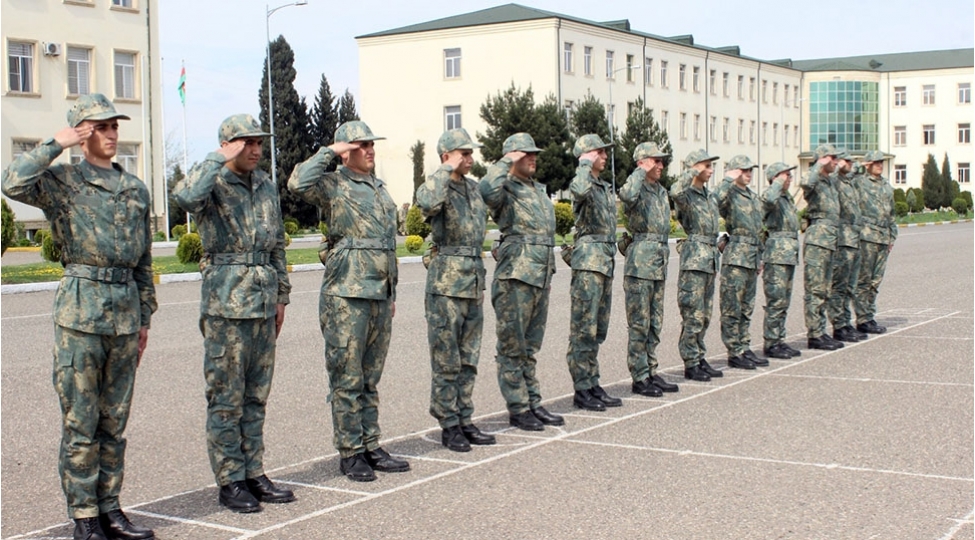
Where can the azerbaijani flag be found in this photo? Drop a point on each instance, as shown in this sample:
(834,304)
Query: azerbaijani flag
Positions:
(182,85)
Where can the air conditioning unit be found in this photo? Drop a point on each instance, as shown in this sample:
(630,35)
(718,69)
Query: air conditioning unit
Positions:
(51,49)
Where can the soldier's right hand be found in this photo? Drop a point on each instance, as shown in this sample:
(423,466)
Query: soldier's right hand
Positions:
(515,155)
(73,136)
(454,159)
(343,148)
(232,149)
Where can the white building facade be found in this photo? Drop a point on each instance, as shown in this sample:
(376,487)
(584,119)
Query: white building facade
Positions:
(58,50)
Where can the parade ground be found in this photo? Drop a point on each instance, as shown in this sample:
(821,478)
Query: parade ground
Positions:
(873,441)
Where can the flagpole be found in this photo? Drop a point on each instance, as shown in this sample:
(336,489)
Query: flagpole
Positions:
(162,113)
(186,166)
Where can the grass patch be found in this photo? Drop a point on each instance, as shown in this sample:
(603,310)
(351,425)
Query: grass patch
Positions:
(931,217)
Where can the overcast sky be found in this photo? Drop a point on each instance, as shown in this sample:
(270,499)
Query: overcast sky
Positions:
(222,43)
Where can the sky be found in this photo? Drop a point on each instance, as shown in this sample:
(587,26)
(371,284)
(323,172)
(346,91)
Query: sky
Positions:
(222,43)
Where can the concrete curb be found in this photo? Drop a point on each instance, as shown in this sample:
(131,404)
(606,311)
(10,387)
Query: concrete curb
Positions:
(904,225)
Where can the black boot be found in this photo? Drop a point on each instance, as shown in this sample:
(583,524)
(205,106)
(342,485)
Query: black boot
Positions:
(871,327)
(695,373)
(116,525)
(740,362)
(706,367)
(793,351)
(749,355)
(646,388)
(608,400)
(265,491)
(455,441)
(779,350)
(237,498)
(357,468)
(381,461)
(584,399)
(476,436)
(547,418)
(822,344)
(526,421)
(663,385)
(846,333)
(88,529)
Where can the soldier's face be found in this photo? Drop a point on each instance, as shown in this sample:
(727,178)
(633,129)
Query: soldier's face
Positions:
(600,163)
(525,167)
(745,178)
(876,168)
(655,168)
(786,179)
(466,160)
(103,141)
(248,158)
(828,164)
(704,170)
(363,159)
(843,165)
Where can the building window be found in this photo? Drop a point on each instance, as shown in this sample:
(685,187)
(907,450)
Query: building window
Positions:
(775,134)
(725,129)
(587,61)
(785,95)
(569,105)
(629,68)
(20,62)
(697,127)
(795,135)
(928,130)
(965,133)
(741,131)
(125,75)
(629,108)
(713,81)
(663,74)
(785,135)
(683,125)
(927,94)
(751,89)
(567,57)
(765,133)
(697,79)
(964,173)
(964,93)
(609,64)
(751,132)
(122,3)
(845,114)
(900,174)
(764,91)
(128,157)
(79,71)
(665,121)
(725,84)
(20,147)
(900,96)
(451,59)
(451,117)
(713,129)
(648,69)
(900,135)
(682,76)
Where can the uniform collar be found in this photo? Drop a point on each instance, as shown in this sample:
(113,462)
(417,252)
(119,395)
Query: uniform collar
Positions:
(357,177)
(96,175)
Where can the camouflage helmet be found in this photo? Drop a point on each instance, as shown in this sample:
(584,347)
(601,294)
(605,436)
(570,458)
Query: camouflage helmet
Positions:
(740,162)
(874,155)
(824,150)
(455,139)
(239,126)
(698,156)
(92,107)
(588,143)
(520,142)
(649,150)
(355,131)
(841,153)
(776,169)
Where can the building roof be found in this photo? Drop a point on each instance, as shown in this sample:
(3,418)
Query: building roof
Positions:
(884,63)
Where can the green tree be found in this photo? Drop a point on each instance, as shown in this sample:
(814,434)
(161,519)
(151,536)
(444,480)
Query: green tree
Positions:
(555,166)
(416,156)
(176,214)
(8,233)
(347,111)
(589,116)
(505,114)
(293,138)
(952,189)
(324,117)
(640,128)
(415,224)
(931,183)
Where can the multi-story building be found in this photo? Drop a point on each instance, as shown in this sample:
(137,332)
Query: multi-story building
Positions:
(419,80)
(58,50)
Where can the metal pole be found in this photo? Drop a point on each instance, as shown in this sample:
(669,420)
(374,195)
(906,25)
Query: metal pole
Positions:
(270,95)
(162,115)
(186,161)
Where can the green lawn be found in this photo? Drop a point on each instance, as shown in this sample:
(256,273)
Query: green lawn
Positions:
(932,217)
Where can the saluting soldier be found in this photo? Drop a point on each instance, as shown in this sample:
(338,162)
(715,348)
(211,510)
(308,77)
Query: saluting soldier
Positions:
(876,239)
(780,258)
(846,258)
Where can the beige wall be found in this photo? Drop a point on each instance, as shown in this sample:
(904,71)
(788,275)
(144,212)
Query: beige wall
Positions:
(104,29)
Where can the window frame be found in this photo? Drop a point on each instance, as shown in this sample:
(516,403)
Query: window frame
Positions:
(900,135)
(87,62)
(900,96)
(664,83)
(964,93)
(135,74)
(926,130)
(450,112)
(964,173)
(610,65)
(567,57)
(30,60)
(927,94)
(965,133)
(899,174)
(587,60)
(452,63)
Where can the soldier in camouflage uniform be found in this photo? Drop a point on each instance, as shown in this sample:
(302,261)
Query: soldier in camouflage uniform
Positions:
(593,261)
(358,295)
(698,215)
(780,258)
(876,239)
(452,204)
(741,261)
(846,258)
(823,213)
(645,272)
(244,294)
(522,278)
(99,215)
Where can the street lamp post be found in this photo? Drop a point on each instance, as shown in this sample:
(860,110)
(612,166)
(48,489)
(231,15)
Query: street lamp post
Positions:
(611,118)
(270,94)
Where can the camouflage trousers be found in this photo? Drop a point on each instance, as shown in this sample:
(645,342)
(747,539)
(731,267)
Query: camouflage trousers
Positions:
(737,303)
(94,376)
(357,333)
(873,264)
(454,332)
(695,296)
(645,317)
(521,311)
(238,367)
(777,279)
(818,279)
(591,294)
(846,269)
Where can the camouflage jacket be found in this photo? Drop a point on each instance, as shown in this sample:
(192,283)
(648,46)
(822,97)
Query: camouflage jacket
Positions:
(234,216)
(647,211)
(99,217)
(458,216)
(521,208)
(877,210)
(822,209)
(698,215)
(743,216)
(356,207)
(782,226)
(848,190)
(595,211)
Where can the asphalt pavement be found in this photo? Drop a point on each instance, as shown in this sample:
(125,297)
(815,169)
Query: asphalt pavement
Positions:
(872,441)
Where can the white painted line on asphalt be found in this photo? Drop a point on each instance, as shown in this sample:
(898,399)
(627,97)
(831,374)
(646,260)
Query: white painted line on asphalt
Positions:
(936,337)
(865,379)
(323,488)
(195,522)
(959,523)
(432,459)
(828,466)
